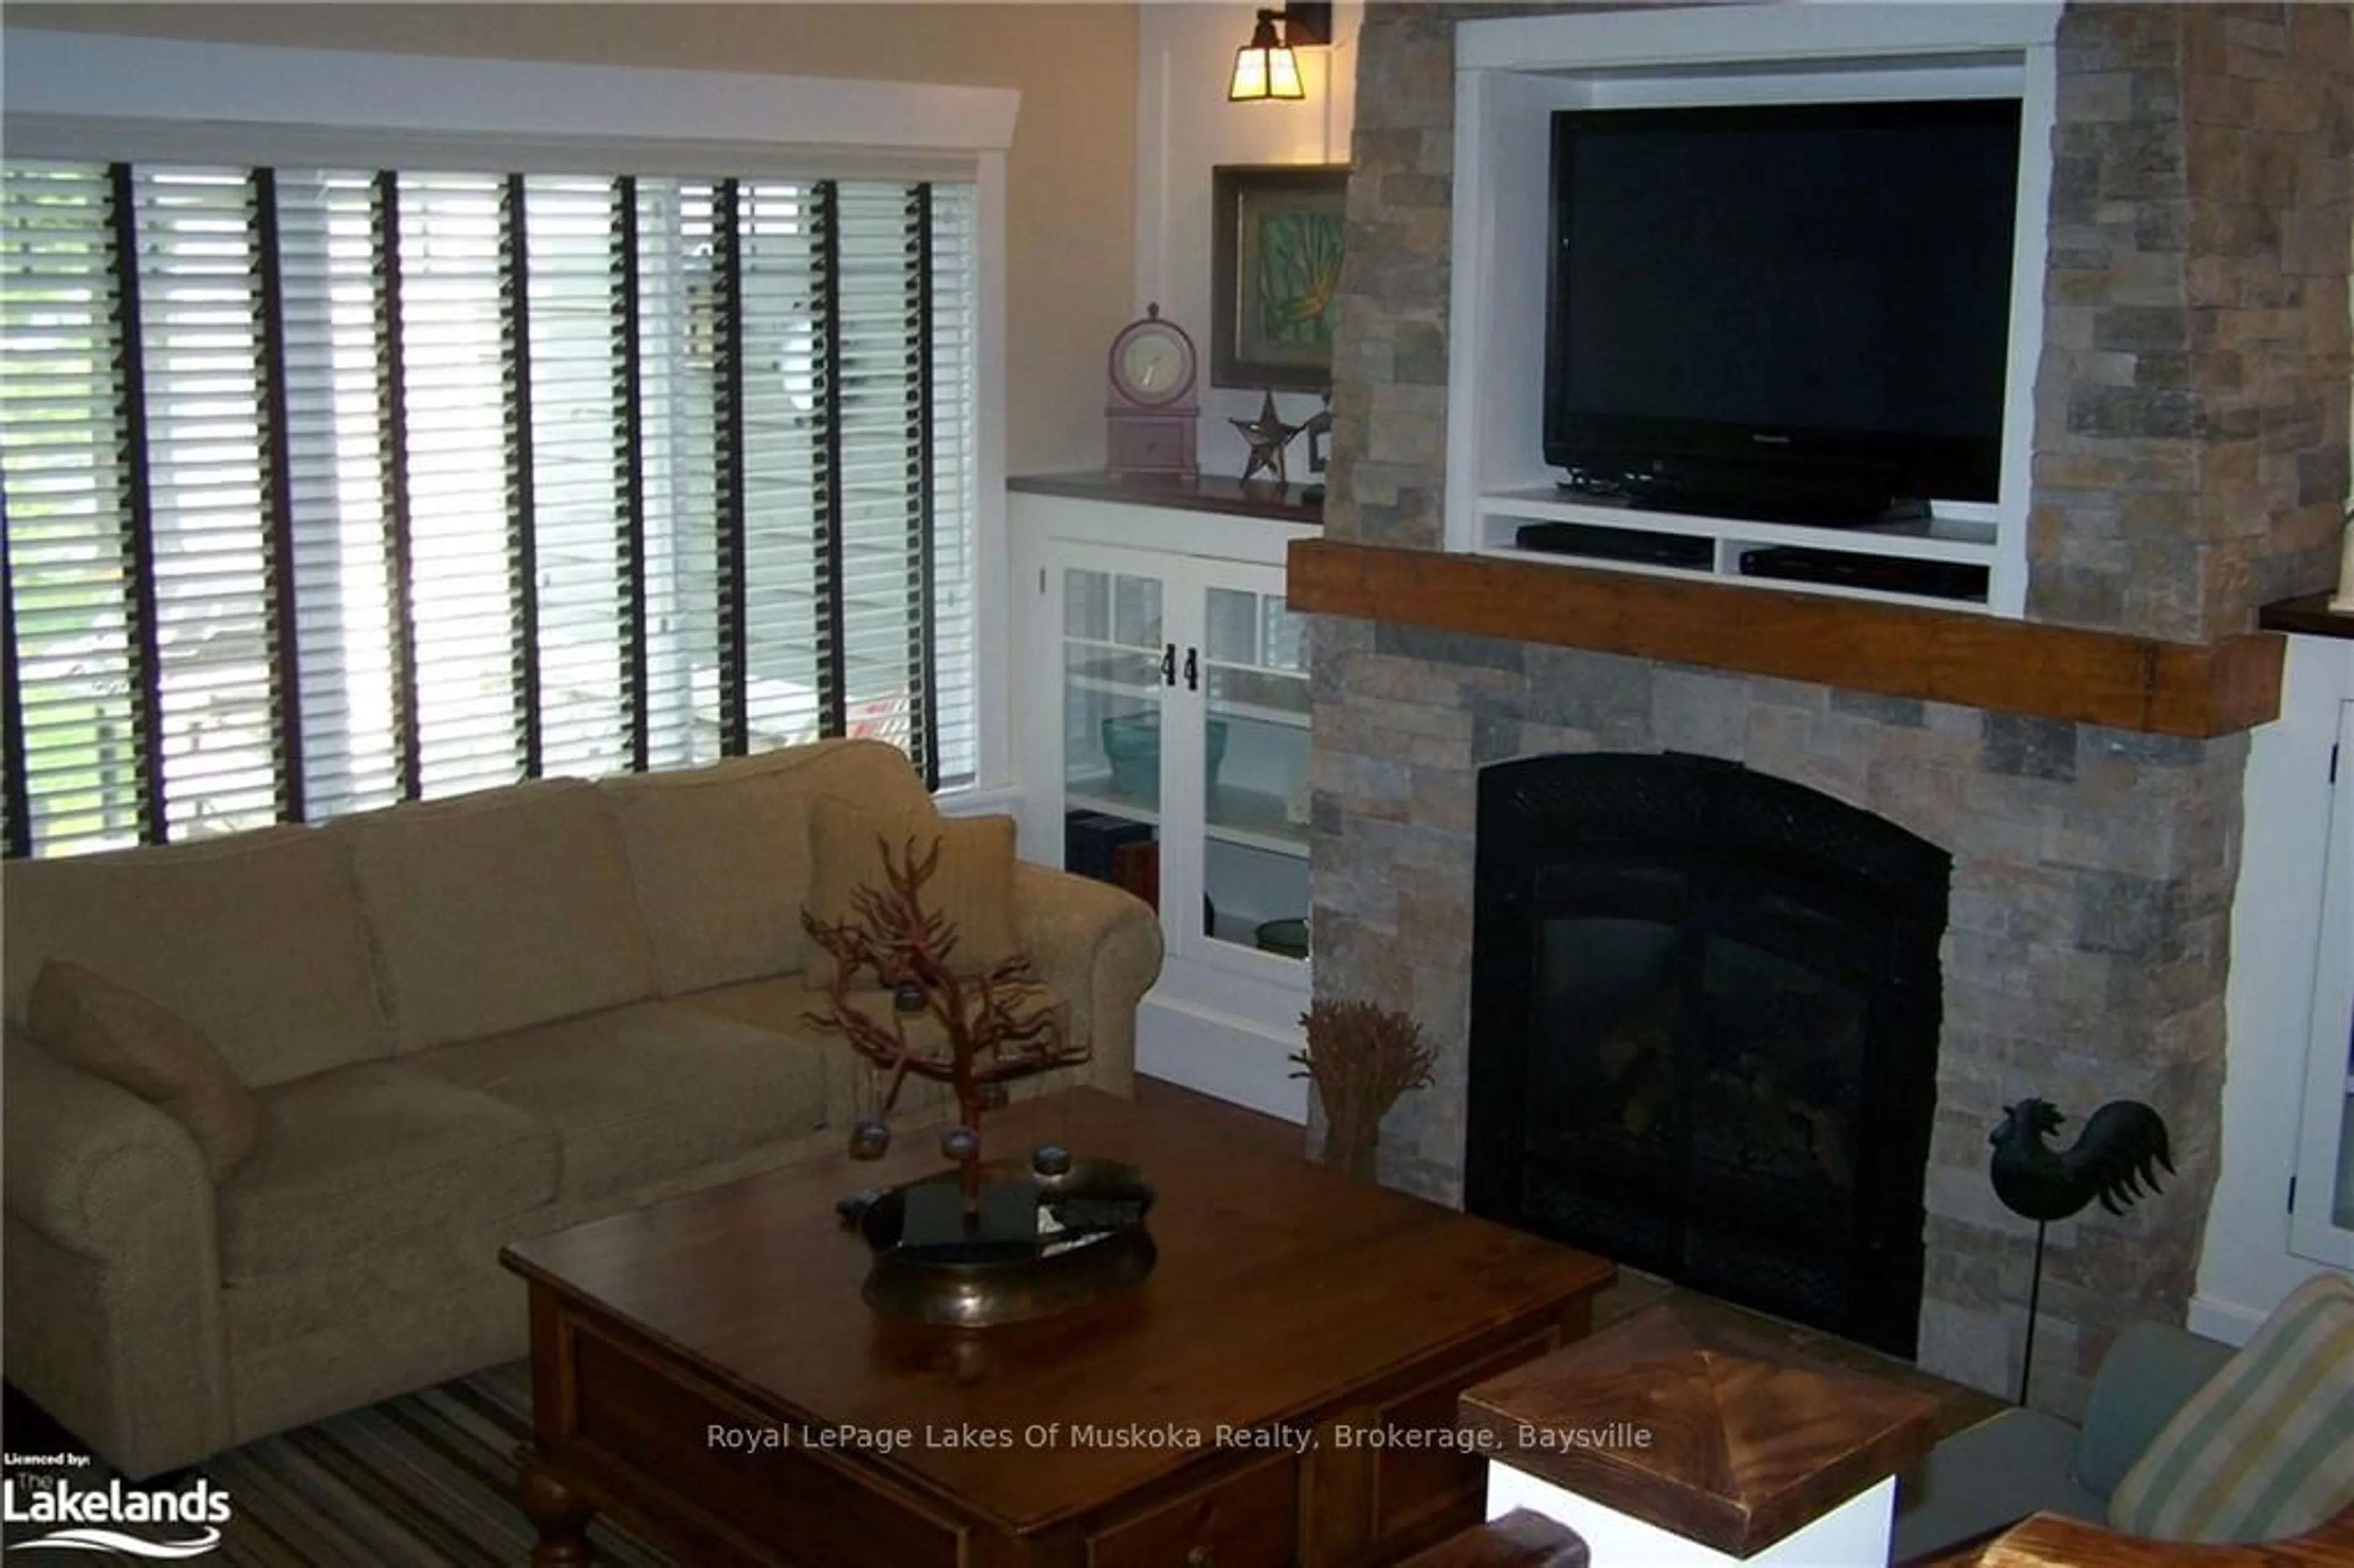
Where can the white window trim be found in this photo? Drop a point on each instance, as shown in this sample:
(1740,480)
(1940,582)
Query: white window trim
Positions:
(101,97)
(437,99)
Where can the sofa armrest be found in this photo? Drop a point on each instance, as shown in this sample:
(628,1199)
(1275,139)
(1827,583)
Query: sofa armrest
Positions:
(113,1306)
(1100,948)
(85,1160)
(2149,1373)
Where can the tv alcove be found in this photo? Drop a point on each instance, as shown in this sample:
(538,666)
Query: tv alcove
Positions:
(1513,74)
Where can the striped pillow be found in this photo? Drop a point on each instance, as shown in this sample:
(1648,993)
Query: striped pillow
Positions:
(2266,1449)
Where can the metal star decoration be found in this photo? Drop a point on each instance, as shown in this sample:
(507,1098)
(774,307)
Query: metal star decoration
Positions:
(1267,436)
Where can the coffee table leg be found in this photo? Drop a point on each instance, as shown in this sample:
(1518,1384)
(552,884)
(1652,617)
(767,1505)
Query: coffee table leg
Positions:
(561,1514)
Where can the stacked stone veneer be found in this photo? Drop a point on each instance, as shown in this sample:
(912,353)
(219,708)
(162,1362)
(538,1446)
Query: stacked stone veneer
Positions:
(2192,413)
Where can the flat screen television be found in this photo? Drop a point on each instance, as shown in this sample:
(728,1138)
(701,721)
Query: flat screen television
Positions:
(1787,311)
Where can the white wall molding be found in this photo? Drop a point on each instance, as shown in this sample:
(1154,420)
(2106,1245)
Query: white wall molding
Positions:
(2226,1320)
(1761,34)
(234,97)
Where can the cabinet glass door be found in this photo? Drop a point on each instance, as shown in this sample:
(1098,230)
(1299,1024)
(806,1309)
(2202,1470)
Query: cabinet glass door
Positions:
(1254,824)
(1116,660)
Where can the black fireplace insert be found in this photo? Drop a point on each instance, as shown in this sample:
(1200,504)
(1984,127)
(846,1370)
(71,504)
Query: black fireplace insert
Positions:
(1704,1019)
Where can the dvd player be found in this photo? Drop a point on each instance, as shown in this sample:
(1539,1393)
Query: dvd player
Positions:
(1882,574)
(1618,544)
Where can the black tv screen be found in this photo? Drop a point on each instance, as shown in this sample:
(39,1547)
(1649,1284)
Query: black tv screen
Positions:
(1796,310)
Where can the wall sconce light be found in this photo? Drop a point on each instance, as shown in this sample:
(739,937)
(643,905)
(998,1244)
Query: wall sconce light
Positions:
(1265,69)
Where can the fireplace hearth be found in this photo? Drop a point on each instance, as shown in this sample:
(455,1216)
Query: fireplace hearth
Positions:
(1704,1023)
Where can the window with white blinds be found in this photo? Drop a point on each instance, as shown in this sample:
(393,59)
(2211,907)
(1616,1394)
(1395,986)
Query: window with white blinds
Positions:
(331,488)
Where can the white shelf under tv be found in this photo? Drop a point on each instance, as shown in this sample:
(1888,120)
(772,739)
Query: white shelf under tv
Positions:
(1954,538)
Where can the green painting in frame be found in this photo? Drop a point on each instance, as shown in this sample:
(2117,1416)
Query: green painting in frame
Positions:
(1275,272)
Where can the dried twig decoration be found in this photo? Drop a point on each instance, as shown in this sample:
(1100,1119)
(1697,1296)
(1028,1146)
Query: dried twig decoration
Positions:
(1361,1058)
(997,1030)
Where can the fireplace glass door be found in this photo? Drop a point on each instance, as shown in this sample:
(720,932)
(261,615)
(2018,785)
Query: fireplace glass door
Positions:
(1702,1047)
(1695,1082)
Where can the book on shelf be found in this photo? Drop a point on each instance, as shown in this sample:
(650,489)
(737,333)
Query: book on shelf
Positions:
(1136,866)
(1090,840)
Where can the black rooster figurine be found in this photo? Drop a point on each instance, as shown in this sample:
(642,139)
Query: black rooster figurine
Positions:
(2111,1160)
(2108,1160)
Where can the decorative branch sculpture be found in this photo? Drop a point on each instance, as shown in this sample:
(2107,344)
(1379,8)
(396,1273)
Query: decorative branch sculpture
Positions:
(996,1033)
(1359,1059)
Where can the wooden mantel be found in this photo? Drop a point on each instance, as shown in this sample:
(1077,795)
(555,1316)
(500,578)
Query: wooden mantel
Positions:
(2188,689)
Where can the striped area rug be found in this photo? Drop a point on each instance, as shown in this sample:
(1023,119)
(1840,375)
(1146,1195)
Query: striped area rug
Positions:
(426,1478)
(420,1481)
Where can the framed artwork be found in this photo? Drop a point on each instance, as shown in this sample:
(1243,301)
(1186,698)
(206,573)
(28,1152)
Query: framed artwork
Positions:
(1275,272)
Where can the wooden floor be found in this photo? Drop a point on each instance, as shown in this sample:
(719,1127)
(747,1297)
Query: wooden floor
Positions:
(1958,1407)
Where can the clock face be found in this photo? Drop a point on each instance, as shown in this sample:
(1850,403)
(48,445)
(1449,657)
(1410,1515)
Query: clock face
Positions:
(1152,363)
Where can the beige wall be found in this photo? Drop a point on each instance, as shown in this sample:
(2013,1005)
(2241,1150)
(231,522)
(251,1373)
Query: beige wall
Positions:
(1072,172)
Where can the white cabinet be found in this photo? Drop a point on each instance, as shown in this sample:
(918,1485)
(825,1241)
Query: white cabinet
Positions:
(2321,1212)
(2283,1203)
(1162,703)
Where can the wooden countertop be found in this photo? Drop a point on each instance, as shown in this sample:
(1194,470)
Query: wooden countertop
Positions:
(2308,615)
(1277,502)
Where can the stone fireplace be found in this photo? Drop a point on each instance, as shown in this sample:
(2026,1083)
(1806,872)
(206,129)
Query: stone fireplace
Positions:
(2191,460)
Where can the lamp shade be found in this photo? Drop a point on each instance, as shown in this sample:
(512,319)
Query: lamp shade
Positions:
(1250,75)
(1283,74)
(1265,67)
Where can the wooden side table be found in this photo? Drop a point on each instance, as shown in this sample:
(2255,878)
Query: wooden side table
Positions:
(1689,1436)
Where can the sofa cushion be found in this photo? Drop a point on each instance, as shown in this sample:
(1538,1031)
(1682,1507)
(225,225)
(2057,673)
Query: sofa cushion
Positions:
(721,859)
(500,909)
(108,1030)
(366,1158)
(2266,1449)
(254,938)
(640,1094)
(973,885)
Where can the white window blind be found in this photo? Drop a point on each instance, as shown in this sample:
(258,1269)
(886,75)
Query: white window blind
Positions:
(330,488)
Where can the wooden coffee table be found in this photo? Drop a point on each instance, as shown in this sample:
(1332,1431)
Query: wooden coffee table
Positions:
(1280,1391)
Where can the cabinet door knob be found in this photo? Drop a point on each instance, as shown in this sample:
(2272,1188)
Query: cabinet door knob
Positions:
(1168,663)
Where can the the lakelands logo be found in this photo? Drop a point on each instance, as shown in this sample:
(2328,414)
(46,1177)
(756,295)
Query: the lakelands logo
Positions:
(84,1519)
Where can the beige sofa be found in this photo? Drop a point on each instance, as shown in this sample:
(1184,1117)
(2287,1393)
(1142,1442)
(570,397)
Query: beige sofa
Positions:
(463,1021)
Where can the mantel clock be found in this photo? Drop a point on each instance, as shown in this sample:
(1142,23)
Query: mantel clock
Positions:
(1150,416)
